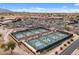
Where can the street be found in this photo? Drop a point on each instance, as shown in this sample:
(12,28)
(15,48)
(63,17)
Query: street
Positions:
(71,48)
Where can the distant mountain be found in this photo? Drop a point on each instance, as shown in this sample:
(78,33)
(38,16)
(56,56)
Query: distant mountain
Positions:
(5,10)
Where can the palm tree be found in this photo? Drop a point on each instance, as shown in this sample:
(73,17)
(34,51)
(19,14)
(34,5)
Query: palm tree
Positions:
(9,46)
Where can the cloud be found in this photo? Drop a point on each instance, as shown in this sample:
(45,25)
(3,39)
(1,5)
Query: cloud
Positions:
(77,4)
(47,10)
(64,6)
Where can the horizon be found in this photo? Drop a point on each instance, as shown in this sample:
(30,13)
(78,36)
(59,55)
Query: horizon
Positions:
(42,7)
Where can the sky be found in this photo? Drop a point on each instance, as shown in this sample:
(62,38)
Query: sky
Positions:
(41,7)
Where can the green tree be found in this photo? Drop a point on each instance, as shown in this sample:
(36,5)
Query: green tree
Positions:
(2,17)
(71,40)
(9,46)
(77,33)
(66,27)
(56,52)
(68,42)
(65,44)
(0,35)
(61,48)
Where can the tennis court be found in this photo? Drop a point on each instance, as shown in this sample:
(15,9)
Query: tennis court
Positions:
(45,41)
(24,33)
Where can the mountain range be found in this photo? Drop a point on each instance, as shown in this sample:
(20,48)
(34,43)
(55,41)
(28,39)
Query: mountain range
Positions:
(5,10)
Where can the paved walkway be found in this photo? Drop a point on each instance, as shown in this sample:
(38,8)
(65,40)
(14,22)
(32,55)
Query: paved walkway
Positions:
(71,48)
